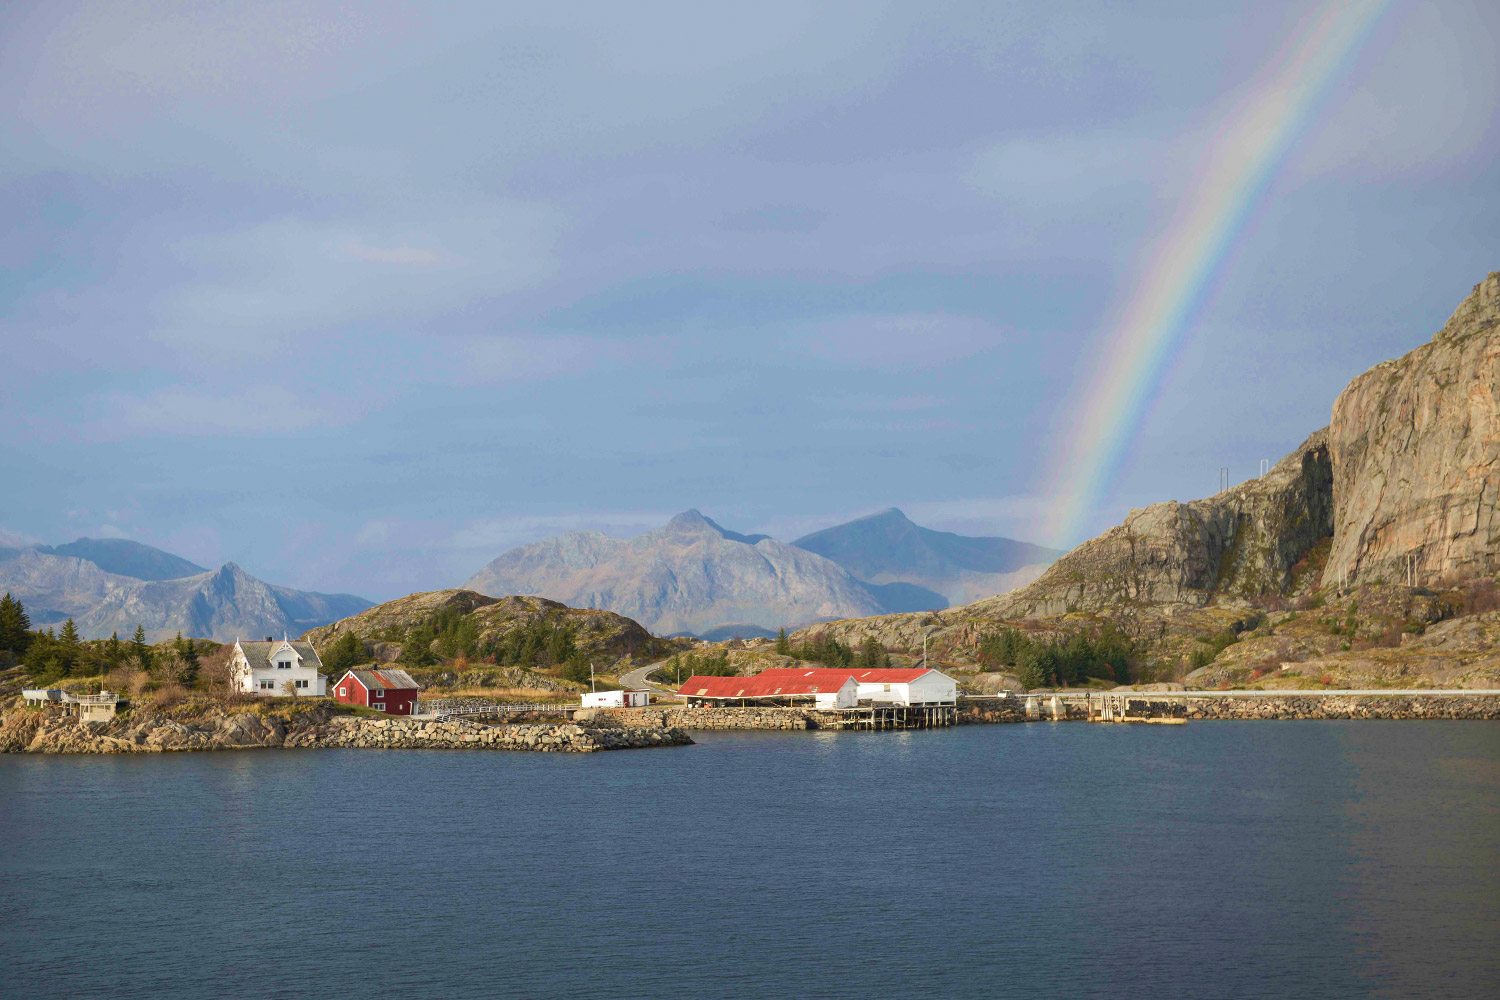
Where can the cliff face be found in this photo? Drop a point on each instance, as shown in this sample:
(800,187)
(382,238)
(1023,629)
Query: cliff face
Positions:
(1243,541)
(1415,444)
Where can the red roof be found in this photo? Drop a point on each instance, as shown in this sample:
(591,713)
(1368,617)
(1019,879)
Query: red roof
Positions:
(888,675)
(762,686)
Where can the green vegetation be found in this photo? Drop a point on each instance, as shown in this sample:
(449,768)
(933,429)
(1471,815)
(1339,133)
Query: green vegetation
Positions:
(681,666)
(783,644)
(15,630)
(344,653)
(1105,654)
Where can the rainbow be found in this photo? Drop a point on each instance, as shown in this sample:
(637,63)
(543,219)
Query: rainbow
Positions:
(1177,270)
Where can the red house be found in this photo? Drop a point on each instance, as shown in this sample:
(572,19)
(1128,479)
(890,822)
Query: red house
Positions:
(390,691)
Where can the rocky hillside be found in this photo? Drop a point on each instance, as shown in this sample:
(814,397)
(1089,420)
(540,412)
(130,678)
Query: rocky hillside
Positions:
(1244,541)
(1415,444)
(689,576)
(1408,467)
(596,633)
(221,604)
(888,548)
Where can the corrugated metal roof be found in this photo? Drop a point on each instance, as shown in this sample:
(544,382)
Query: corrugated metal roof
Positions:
(761,686)
(259,653)
(385,678)
(887,675)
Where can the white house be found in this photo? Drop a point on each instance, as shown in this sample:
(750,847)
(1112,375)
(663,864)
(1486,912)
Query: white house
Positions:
(911,686)
(268,667)
(616,699)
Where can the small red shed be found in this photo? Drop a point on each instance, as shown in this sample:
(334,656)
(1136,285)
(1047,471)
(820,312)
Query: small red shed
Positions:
(390,691)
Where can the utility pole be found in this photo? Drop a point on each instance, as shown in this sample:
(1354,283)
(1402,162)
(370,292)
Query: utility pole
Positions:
(591,676)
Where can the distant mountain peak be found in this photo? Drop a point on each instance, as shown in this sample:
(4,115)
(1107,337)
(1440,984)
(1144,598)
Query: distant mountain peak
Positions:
(124,557)
(694,522)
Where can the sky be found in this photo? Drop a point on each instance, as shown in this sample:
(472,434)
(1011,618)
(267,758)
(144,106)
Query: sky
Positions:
(359,295)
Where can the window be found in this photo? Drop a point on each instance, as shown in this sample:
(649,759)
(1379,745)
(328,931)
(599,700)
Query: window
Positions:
(378,693)
(378,706)
(302,684)
(887,687)
(343,692)
(283,664)
(267,685)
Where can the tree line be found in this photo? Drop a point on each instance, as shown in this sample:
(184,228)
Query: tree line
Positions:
(1053,662)
(53,655)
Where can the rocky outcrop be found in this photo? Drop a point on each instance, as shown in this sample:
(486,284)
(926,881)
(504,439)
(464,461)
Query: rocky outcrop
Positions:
(1415,444)
(30,731)
(1243,541)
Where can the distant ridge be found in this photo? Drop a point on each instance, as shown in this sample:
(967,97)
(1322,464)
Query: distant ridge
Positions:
(55,582)
(126,558)
(690,576)
(887,548)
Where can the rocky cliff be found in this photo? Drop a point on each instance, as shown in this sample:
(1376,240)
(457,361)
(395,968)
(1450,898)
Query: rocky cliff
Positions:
(1415,444)
(1243,541)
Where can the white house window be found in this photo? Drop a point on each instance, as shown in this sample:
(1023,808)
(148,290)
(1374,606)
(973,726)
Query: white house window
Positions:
(283,664)
(302,684)
(266,685)
(887,687)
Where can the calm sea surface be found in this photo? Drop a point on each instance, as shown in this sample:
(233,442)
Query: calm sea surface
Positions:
(1222,859)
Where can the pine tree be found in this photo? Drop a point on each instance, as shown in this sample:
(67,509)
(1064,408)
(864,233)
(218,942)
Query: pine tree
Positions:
(15,628)
(188,653)
(68,647)
(139,650)
(112,651)
(783,644)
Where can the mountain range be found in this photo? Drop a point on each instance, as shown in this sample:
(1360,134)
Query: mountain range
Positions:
(110,585)
(695,576)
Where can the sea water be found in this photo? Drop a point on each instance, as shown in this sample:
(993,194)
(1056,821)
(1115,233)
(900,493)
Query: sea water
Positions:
(1218,859)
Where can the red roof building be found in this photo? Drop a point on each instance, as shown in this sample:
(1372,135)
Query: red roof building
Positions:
(390,691)
(831,689)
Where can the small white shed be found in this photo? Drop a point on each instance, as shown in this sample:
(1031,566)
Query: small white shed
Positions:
(616,699)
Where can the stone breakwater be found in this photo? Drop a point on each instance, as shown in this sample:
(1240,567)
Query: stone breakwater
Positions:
(415,734)
(26,731)
(1333,706)
(710,718)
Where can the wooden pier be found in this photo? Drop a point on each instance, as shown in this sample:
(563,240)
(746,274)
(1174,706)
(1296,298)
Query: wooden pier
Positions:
(899,716)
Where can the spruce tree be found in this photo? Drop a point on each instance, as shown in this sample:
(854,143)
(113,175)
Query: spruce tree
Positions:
(112,651)
(783,644)
(139,649)
(15,627)
(68,647)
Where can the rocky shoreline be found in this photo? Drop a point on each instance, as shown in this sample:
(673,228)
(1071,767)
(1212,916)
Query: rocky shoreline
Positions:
(35,732)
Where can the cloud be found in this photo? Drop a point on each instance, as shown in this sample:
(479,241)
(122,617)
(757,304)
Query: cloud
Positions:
(515,356)
(17,539)
(109,531)
(257,290)
(232,410)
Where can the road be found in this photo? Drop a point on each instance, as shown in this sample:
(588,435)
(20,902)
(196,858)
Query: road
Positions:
(635,680)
